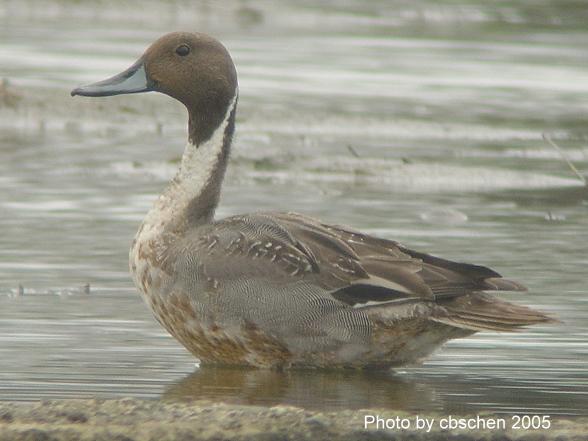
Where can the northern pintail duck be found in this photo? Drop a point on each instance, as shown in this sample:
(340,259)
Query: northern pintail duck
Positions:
(277,289)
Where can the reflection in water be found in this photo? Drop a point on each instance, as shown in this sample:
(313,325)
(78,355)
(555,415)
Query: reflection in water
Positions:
(412,390)
(314,389)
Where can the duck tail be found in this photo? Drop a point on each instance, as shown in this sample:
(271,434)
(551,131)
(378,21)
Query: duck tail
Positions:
(483,312)
(500,284)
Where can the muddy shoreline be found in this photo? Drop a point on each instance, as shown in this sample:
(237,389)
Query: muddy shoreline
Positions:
(132,419)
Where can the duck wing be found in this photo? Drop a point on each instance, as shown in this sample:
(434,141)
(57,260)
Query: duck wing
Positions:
(393,267)
(287,253)
(289,246)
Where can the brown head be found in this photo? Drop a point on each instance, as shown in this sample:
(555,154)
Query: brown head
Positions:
(193,68)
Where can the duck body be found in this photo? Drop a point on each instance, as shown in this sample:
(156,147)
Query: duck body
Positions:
(277,290)
(257,295)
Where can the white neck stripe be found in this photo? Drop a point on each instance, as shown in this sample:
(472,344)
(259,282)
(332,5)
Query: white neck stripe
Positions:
(197,168)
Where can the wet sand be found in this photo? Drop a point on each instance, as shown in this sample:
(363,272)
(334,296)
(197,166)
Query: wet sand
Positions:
(131,419)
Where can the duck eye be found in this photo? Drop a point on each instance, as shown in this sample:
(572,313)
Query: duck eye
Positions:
(183,50)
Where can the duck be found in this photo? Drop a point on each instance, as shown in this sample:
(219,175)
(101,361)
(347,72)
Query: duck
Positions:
(282,290)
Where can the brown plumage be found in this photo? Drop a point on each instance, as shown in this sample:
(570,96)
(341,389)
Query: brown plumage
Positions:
(359,269)
(283,289)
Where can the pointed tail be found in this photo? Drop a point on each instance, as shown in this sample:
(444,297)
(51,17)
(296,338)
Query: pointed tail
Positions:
(484,312)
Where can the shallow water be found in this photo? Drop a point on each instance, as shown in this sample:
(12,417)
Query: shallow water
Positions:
(418,123)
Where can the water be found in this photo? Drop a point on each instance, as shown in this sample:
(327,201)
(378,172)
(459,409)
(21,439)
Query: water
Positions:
(420,123)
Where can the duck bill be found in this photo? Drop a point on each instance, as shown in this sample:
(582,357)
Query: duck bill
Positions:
(132,80)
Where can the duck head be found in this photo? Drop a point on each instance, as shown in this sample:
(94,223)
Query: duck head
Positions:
(193,68)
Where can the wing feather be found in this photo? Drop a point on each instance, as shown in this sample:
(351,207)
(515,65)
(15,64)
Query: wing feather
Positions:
(349,268)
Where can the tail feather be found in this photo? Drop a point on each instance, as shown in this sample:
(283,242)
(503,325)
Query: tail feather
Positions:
(458,322)
(500,284)
(482,312)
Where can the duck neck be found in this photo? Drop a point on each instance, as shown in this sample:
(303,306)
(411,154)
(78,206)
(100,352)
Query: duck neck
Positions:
(194,192)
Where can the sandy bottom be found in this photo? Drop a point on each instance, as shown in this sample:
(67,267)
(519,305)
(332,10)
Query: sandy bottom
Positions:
(131,419)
